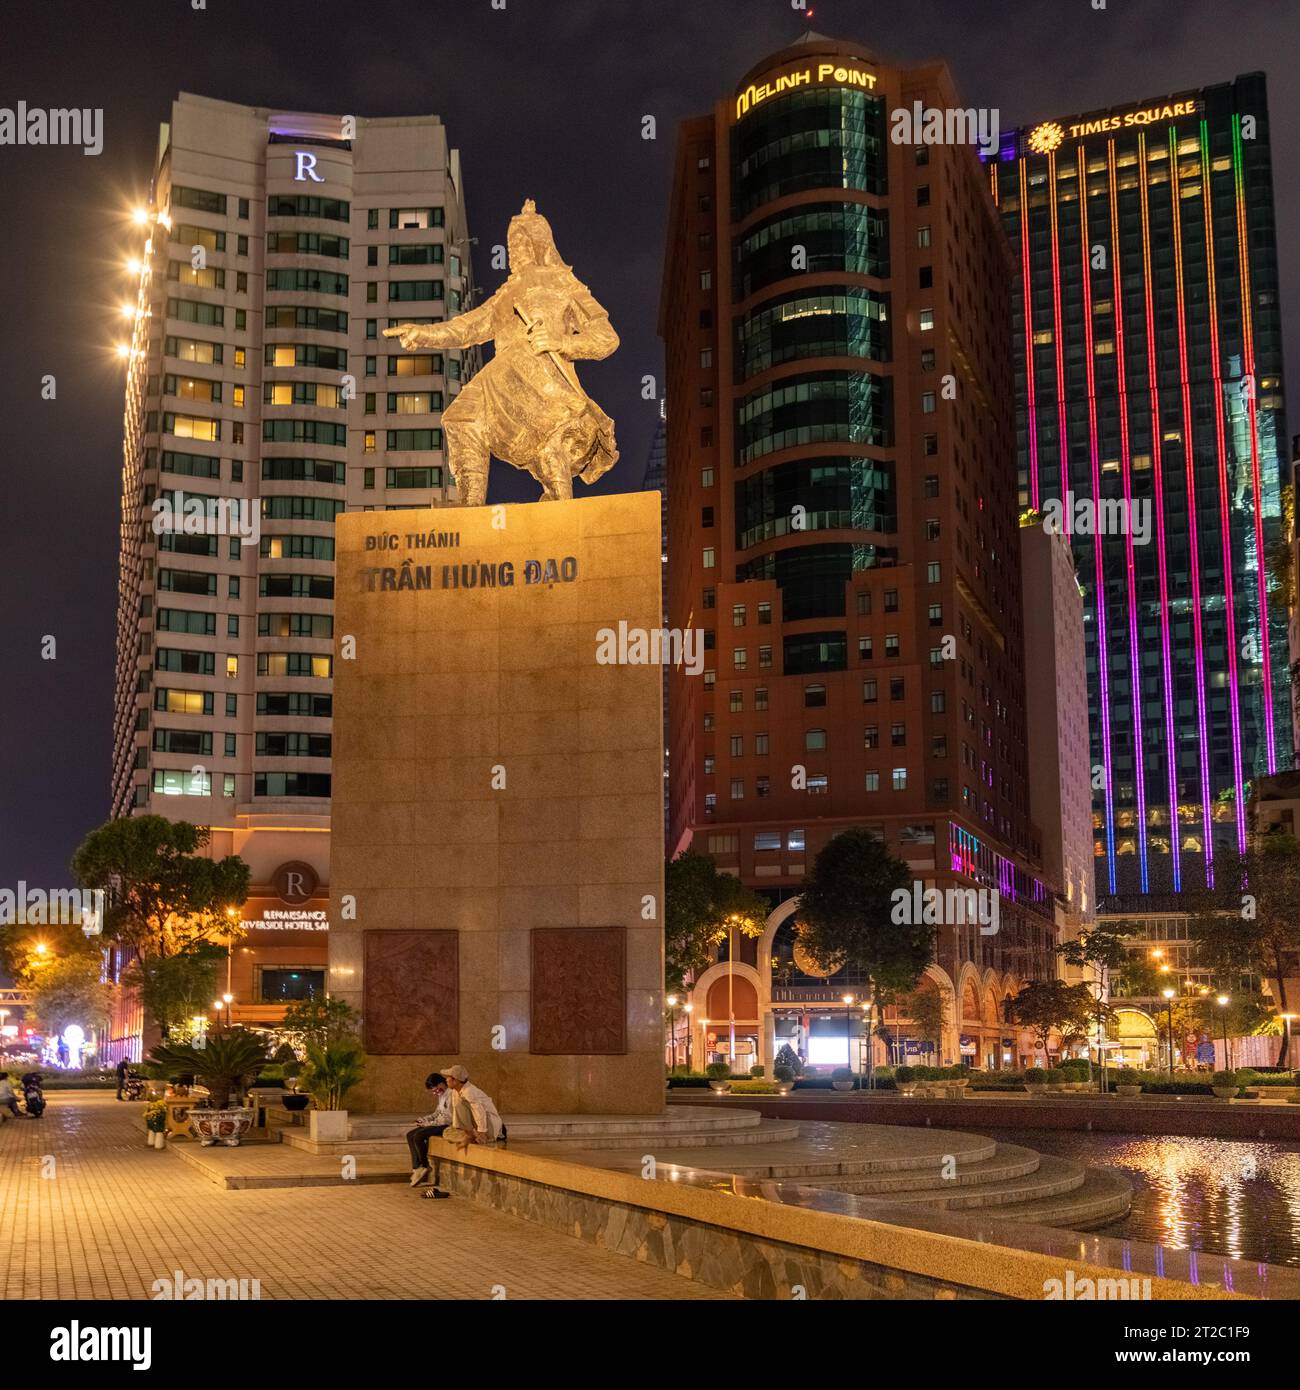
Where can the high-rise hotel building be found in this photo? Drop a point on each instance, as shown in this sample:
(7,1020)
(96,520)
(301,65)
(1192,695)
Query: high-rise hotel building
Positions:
(1149,392)
(275,249)
(843,527)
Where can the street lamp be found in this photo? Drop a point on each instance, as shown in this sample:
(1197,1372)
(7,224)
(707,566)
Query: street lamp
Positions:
(1286,1037)
(228,999)
(688,1009)
(1169,1010)
(1223,1000)
(672,1028)
(848,1030)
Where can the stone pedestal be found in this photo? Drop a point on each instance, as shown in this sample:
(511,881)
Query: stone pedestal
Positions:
(496,876)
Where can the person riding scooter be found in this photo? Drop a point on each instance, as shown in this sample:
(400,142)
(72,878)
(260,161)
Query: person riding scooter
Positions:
(33,1095)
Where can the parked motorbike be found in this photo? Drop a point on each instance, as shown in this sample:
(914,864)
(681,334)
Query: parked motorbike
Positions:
(33,1095)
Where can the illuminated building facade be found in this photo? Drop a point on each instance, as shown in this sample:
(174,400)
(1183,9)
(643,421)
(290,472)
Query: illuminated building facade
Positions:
(1149,393)
(275,249)
(842,523)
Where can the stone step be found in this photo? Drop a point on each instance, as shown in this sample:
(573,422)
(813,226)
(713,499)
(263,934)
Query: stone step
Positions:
(1050,1178)
(1104,1197)
(1010,1161)
(580,1127)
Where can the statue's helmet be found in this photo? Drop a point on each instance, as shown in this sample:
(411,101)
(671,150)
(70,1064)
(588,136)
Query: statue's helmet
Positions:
(530,238)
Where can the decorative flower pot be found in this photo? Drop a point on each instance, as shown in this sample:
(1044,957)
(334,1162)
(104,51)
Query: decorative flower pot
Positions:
(328,1126)
(1225,1092)
(160,1139)
(296,1101)
(841,1085)
(720,1086)
(1130,1092)
(221,1126)
(782,1088)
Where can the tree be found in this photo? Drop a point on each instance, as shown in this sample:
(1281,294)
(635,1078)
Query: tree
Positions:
(1047,1005)
(1250,924)
(845,914)
(68,990)
(1106,951)
(320,1020)
(701,909)
(175,989)
(163,895)
(224,1064)
(928,1010)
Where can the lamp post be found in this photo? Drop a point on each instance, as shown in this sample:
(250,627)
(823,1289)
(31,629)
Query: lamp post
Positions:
(688,1009)
(1169,1011)
(848,1030)
(232,916)
(1223,1001)
(672,1029)
(1286,1038)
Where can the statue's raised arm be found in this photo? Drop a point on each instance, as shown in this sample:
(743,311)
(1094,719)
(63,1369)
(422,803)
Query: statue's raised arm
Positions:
(527,405)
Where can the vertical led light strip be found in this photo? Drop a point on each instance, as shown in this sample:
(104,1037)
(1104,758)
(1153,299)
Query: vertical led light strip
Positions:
(1193,541)
(1159,498)
(1027,297)
(1099,572)
(1062,438)
(1216,381)
(1121,377)
(1252,405)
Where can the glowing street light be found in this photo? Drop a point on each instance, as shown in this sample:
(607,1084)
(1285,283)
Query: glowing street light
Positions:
(1223,1000)
(140,216)
(1169,1011)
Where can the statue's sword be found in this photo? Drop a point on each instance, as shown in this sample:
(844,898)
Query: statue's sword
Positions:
(563,365)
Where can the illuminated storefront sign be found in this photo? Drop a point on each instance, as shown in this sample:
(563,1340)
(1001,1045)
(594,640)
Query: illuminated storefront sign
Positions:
(1046,137)
(814,75)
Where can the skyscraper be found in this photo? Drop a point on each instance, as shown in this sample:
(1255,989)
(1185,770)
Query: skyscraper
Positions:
(1149,397)
(275,249)
(843,523)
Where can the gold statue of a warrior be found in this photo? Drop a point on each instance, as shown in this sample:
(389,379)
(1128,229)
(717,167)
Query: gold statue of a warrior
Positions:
(526,406)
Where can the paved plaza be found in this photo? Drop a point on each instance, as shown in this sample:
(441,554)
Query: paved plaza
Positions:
(87,1211)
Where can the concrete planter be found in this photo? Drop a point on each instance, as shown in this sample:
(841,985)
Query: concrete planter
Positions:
(327,1126)
(1225,1092)
(221,1126)
(907,1088)
(721,1087)
(1128,1092)
(841,1085)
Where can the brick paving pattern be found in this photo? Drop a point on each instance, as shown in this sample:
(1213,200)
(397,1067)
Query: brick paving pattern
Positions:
(115,1216)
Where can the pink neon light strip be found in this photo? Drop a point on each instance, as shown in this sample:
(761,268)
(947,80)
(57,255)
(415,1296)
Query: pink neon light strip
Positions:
(1032,422)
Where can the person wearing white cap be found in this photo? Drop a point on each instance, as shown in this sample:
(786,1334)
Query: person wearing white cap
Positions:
(474,1117)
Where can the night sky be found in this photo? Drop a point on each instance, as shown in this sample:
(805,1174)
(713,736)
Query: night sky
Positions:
(544,99)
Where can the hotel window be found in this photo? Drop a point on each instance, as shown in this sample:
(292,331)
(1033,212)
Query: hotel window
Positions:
(814,696)
(709,599)
(932,572)
(891,644)
(706,279)
(739,658)
(762,786)
(939,789)
(232,625)
(818,784)
(930,443)
(871,736)
(897,688)
(737,745)
(706,442)
(765,840)
(708,723)
(864,603)
(760,698)
(925,277)
(708,558)
(738,615)
(939,746)
(923,192)
(927,402)
(891,600)
(794,839)
(736,701)
(232,706)
(869,695)
(708,764)
(761,745)
(932,485)
(898,735)
(706,357)
(927,359)
(764,614)
(368,475)
(932,528)
(936,614)
(923,237)
(229,744)
(871,782)
(938,702)
(765,657)
(926,322)
(710,803)
(710,679)
(737,789)
(814,741)
(706,477)
(900,779)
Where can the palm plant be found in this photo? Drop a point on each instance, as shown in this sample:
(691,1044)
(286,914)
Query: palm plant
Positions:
(223,1065)
(332,1070)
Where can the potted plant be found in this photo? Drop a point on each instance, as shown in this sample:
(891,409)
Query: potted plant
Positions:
(841,1079)
(784,1078)
(758,1073)
(333,1069)
(1035,1079)
(155,1124)
(1224,1084)
(905,1080)
(1055,1079)
(223,1064)
(719,1074)
(1128,1082)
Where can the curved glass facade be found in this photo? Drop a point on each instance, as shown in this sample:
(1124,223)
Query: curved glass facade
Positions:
(830,407)
(845,237)
(833,323)
(827,138)
(812,577)
(834,492)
